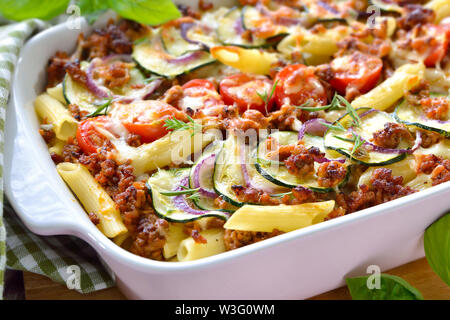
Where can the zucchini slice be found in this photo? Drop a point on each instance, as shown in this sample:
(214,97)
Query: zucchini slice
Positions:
(279,174)
(176,208)
(371,121)
(152,57)
(77,94)
(201,176)
(200,38)
(87,101)
(230,29)
(253,18)
(414,116)
(234,168)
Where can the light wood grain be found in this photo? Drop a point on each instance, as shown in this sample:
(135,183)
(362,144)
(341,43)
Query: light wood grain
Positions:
(417,273)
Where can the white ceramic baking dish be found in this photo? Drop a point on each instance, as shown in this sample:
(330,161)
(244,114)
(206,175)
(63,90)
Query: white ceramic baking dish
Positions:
(295,265)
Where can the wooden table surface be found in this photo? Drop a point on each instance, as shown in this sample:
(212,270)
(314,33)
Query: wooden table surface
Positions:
(417,273)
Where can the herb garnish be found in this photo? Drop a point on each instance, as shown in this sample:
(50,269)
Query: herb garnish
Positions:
(334,105)
(152,78)
(267,97)
(338,126)
(356,140)
(350,110)
(338,102)
(102,109)
(175,124)
(194,197)
(179,192)
(193,193)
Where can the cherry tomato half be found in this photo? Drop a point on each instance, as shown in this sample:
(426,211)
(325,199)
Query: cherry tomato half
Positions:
(297,84)
(199,94)
(89,137)
(246,90)
(431,41)
(357,70)
(146,118)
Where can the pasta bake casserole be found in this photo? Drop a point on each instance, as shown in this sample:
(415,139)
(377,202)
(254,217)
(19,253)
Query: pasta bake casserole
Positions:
(229,126)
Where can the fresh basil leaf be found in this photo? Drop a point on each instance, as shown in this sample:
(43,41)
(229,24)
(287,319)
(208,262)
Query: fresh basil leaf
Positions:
(437,247)
(91,6)
(150,12)
(92,9)
(391,288)
(26,9)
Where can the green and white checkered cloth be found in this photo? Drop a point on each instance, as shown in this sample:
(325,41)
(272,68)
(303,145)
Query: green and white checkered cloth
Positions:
(20,248)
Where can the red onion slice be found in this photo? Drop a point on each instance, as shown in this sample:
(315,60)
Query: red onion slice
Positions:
(314,127)
(184,29)
(323,159)
(121,57)
(237,26)
(181,203)
(91,85)
(417,142)
(186,58)
(150,88)
(206,164)
(248,180)
(376,148)
(366,113)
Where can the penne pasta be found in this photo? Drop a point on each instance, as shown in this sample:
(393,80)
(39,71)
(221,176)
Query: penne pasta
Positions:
(57,147)
(246,60)
(57,92)
(64,125)
(282,217)
(174,235)
(175,147)
(392,89)
(94,199)
(440,7)
(120,239)
(190,250)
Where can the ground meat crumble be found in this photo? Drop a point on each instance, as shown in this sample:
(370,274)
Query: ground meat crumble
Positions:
(438,168)
(235,239)
(390,135)
(383,187)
